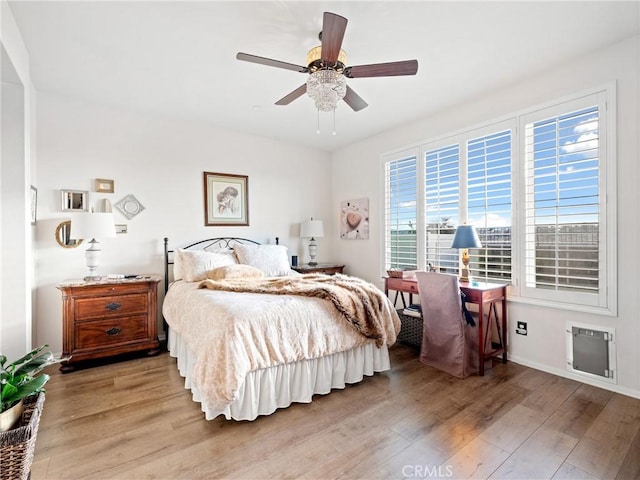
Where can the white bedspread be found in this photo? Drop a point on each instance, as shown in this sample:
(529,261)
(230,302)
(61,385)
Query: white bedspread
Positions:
(232,334)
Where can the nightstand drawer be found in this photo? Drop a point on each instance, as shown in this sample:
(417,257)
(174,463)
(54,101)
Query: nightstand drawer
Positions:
(87,308)
(108,332)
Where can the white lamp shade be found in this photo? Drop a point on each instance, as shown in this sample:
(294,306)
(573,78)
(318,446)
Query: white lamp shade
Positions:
(312,229)
(93,225)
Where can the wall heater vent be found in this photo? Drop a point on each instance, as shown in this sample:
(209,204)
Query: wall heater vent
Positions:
(591,351)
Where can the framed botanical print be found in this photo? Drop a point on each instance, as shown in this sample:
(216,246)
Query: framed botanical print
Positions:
(226,199)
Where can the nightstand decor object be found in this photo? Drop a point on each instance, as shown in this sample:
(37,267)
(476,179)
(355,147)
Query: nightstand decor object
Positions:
(312,229)
(93,225)
(465,237)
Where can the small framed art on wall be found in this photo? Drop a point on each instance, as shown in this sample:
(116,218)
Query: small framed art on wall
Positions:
(75,200)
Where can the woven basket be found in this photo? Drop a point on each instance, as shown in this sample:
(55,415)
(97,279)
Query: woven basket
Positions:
(411,330)
(18,444)
(401,273)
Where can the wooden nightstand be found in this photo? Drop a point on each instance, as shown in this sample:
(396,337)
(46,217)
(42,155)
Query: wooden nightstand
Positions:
(108,317)
(328,268)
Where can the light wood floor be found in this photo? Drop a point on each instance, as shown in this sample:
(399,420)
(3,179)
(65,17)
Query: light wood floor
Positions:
(135,420)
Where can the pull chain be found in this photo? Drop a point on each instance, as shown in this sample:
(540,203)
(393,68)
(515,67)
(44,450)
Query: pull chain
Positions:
(334,122)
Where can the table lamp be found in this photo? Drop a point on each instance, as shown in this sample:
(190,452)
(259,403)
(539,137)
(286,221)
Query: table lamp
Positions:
(312,229)
(465,237)
(93,225)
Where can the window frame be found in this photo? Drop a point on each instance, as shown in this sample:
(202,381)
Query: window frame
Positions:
(605,95)
(605,301)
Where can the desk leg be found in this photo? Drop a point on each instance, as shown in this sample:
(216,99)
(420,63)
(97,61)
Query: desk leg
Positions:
(395,300)
(480,339)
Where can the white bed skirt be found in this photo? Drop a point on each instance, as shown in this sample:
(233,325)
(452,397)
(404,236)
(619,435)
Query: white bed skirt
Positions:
(266,390)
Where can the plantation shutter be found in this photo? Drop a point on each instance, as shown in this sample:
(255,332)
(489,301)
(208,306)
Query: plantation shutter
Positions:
(489,204)
(442,206)
(562,240)
(401,213)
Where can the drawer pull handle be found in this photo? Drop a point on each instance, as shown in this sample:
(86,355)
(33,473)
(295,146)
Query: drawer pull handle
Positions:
(113,306)
(112,331)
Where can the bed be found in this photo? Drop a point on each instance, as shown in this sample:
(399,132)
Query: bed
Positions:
(251,336)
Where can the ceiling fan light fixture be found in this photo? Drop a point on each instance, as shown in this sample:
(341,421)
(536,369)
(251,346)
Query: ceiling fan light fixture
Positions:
(314,60)
(326,88)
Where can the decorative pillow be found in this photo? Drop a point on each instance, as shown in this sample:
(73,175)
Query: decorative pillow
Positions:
(234,271)
(271,259)
(177,265)
(196,263)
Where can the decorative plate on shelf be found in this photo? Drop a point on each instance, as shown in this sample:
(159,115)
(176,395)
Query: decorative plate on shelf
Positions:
(129,206)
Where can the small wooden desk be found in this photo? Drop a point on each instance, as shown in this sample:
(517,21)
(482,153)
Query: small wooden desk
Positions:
(479,293)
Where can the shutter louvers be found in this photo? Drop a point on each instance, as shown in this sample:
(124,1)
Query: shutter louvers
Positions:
(442,206)
(489,205)
(562,202)
(401,214)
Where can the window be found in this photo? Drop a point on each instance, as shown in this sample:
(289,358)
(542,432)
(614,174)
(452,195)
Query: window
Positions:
(489,204)
(565,229)
(442,206)
(535,188)
(468,180)
(401,213)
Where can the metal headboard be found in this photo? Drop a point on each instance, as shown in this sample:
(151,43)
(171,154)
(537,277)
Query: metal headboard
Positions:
(215,243)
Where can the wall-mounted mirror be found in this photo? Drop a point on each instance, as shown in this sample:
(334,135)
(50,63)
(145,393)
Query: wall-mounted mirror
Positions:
(63,235)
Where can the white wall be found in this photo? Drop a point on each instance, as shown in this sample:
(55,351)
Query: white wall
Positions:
(17,163)
(544,347)
(161,162)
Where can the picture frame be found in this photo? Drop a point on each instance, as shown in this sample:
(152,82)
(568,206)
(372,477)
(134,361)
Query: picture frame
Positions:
(354,219)
(104,185)
(75,200)
(34,204)
(226,199)
(129,206)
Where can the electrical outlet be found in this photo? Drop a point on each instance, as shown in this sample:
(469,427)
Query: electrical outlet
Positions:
(521,329)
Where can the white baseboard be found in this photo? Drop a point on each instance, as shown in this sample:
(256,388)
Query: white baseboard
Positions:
(578,378)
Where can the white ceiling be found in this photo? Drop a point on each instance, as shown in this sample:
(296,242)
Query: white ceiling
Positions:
(177,58)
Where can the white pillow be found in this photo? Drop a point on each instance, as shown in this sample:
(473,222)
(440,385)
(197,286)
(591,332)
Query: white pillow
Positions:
(271,259)
(234,272)
(177,265)
(196,263)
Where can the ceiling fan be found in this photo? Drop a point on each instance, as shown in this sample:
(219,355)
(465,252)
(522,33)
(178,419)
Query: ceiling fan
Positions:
(328,70)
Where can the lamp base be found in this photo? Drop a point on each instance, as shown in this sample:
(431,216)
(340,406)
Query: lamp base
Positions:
(464,270)
(92,254)
(313,250)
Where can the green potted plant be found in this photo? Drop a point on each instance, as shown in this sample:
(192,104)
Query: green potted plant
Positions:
(21,379)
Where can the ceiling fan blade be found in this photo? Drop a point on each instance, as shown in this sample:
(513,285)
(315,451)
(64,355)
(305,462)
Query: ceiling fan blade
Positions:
(333,27)
(270,62)
(391,69)
(354,100)
(298,92)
